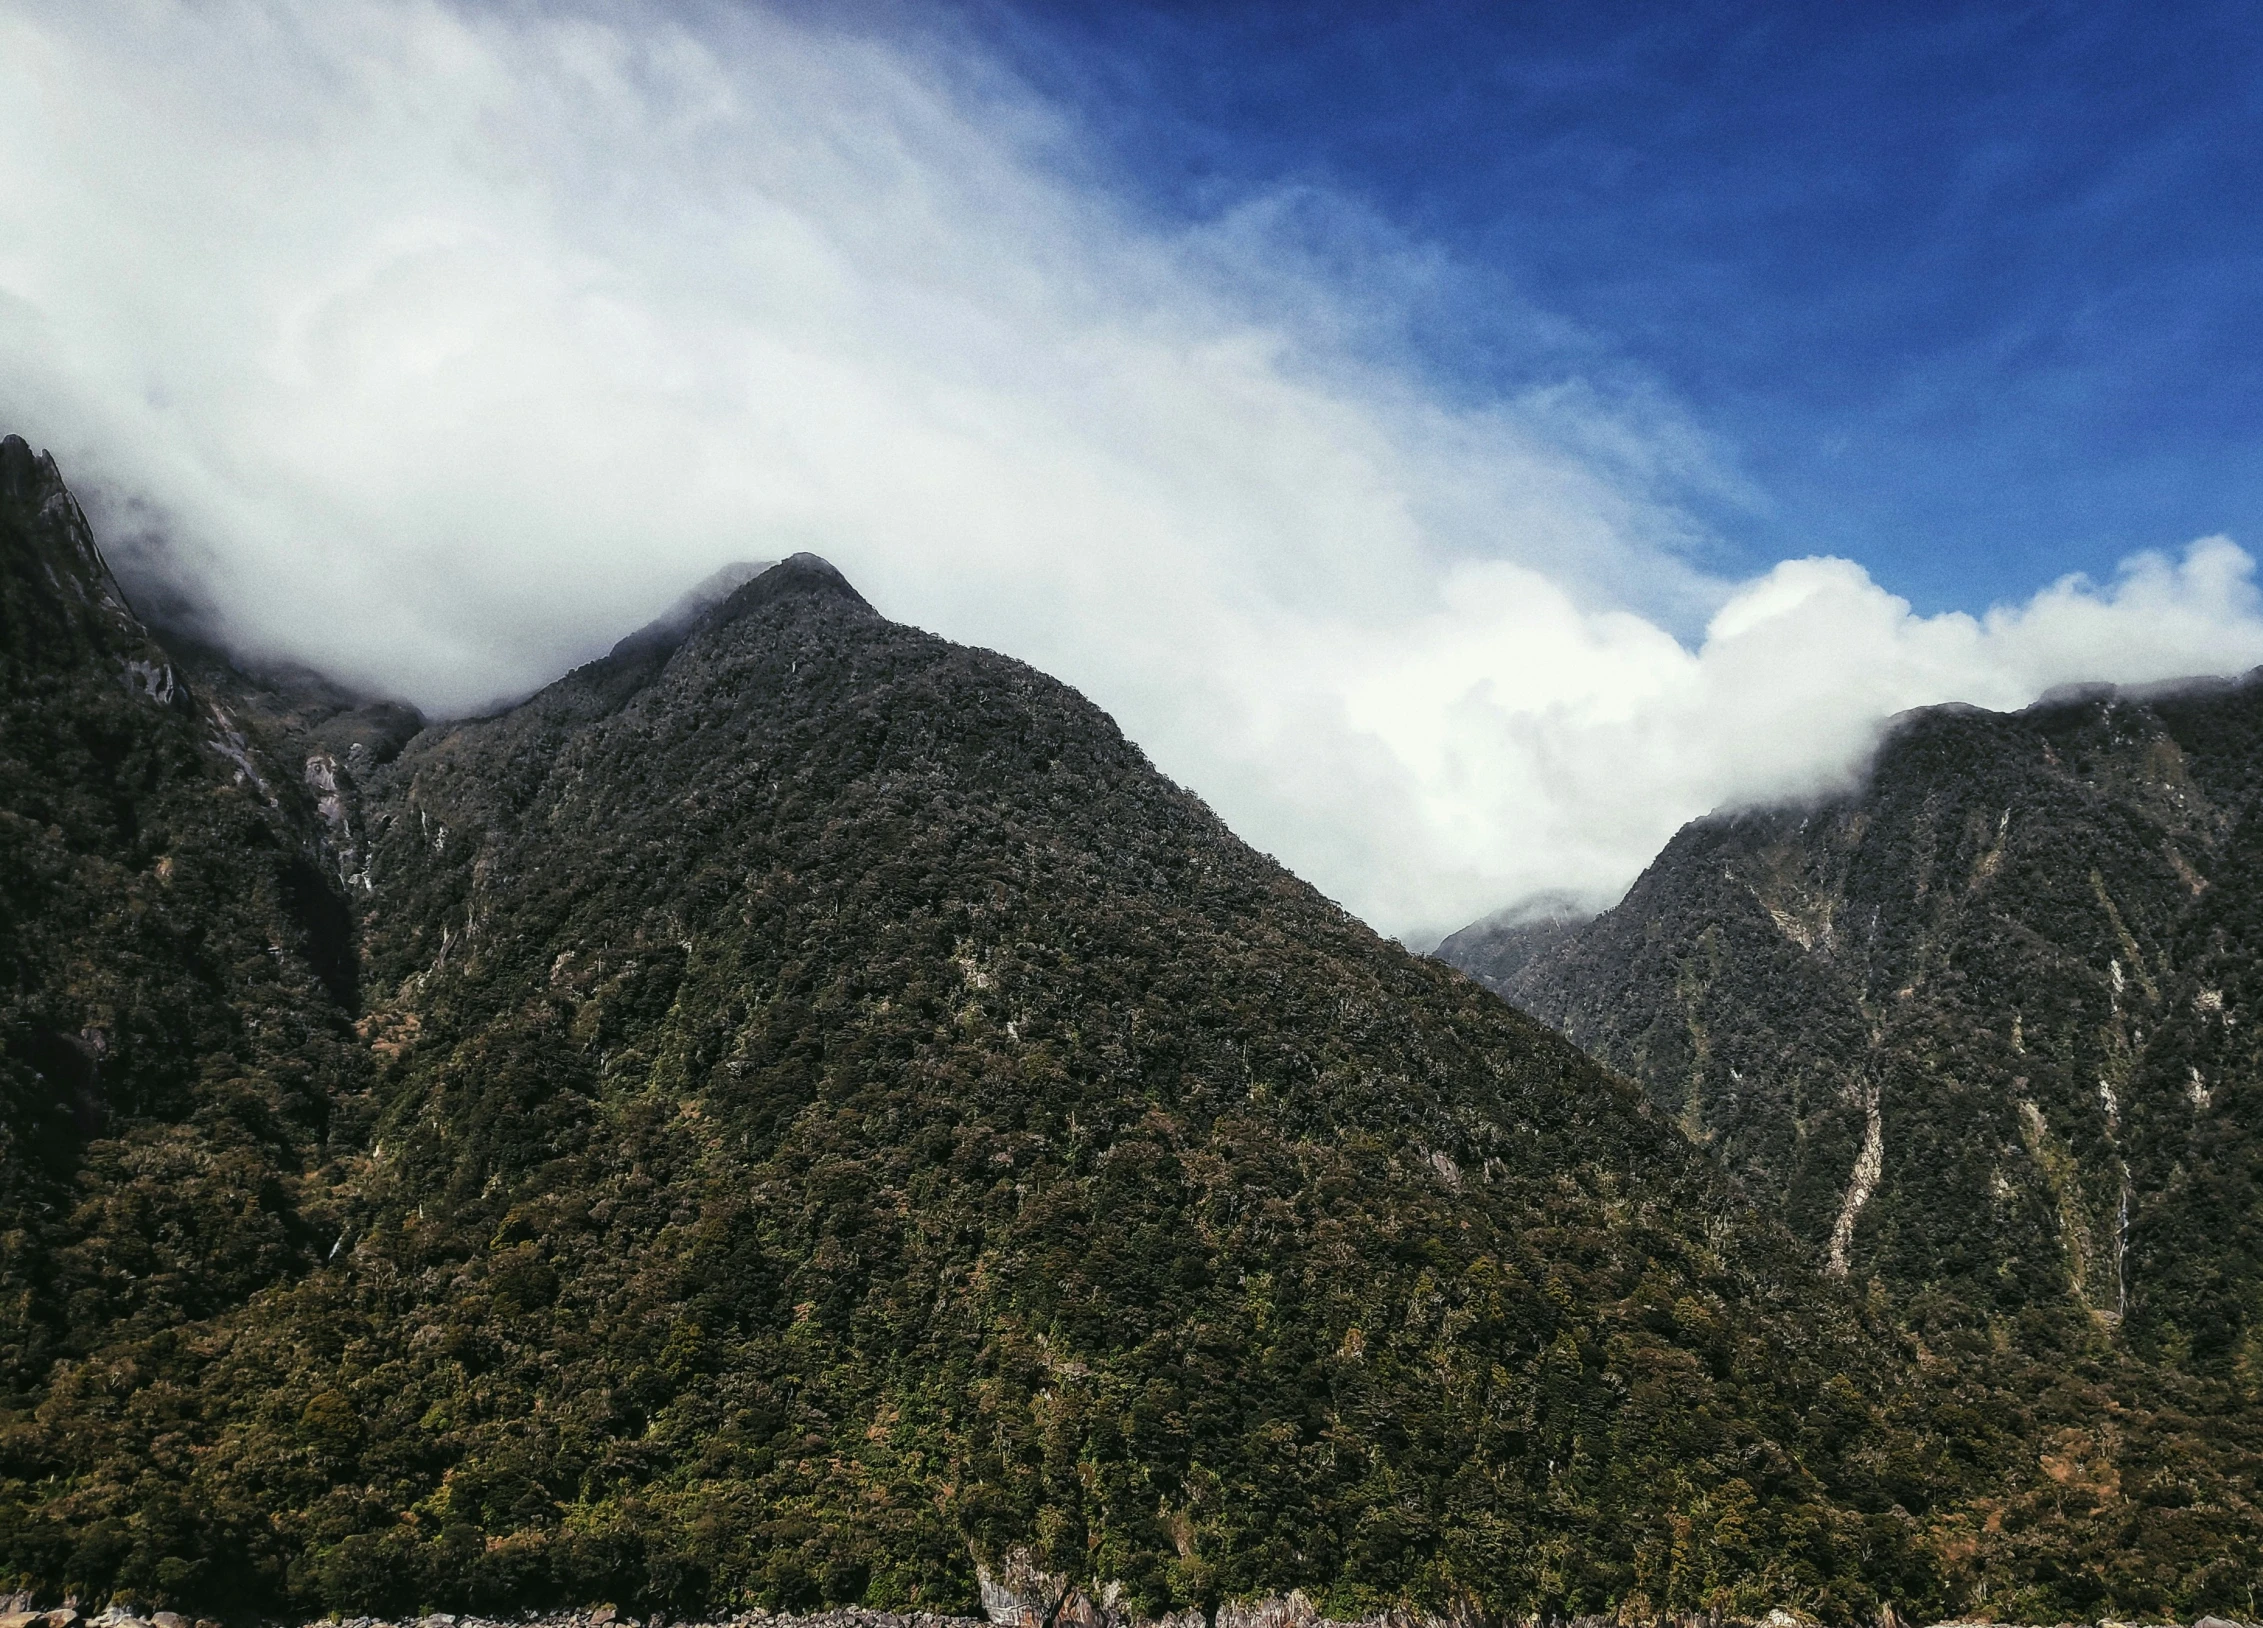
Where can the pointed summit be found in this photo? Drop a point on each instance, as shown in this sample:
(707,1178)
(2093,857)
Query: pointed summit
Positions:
(795,574)
(60,607)
(730,593)
(22,471)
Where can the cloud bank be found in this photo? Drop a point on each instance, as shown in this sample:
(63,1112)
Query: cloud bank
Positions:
(441,346)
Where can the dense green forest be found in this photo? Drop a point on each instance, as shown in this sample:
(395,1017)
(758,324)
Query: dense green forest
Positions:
(799,1112)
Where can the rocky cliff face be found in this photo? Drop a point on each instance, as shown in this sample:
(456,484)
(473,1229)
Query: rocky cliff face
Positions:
(1976,1030)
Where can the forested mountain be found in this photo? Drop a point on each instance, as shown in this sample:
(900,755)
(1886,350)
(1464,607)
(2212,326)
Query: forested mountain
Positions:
(1981,1032)
(801,1111)
(1981,1029)
(175,973)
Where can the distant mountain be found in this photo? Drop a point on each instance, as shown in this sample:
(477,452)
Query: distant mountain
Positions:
(1982,1029)
(1496,949)
(799,1111)
(1983,1033)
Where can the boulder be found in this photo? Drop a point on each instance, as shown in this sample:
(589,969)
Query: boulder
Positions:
(1294,1611)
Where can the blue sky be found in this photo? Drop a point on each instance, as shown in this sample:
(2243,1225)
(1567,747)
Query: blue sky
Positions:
(1972,294)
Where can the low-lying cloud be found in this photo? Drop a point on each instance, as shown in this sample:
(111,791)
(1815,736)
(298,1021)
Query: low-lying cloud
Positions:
(441,346)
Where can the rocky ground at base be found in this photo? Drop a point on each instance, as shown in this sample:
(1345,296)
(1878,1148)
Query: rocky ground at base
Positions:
(20,1613)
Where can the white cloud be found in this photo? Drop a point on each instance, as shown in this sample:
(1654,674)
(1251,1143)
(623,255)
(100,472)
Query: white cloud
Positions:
(447,344)
(1546,747)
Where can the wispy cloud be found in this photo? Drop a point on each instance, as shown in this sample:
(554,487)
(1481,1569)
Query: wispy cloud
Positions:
(443,345)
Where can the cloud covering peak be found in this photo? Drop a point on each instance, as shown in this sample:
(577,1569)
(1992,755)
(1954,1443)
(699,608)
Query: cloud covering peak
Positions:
(442,346)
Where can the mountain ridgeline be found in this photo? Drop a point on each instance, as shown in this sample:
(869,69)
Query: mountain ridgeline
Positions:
(801,1112)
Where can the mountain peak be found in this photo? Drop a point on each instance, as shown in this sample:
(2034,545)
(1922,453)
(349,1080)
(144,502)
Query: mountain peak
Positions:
(22,471)
(730,593)
(803,573)
(59,602)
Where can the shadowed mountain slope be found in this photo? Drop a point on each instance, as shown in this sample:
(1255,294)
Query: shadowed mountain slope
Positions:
(176,972)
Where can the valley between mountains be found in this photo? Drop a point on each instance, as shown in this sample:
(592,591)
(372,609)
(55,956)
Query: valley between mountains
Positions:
(799,1114)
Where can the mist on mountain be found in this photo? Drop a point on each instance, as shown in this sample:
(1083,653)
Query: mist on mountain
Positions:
(799,1112)
(442,379)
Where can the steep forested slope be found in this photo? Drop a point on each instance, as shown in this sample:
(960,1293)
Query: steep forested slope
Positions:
(175,976)
(836,1064)
(822,1116)
(176,985)
(1976,1028)
(1981,1032)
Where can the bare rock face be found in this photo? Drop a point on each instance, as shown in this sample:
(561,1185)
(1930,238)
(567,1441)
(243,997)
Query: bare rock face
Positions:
(1018,1593)
(1292,1610)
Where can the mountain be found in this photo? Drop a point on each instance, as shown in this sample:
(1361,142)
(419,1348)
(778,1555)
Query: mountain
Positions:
(1978,1029)
(1496,949)
(1981,1032)
(799,1111)
(176,964)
